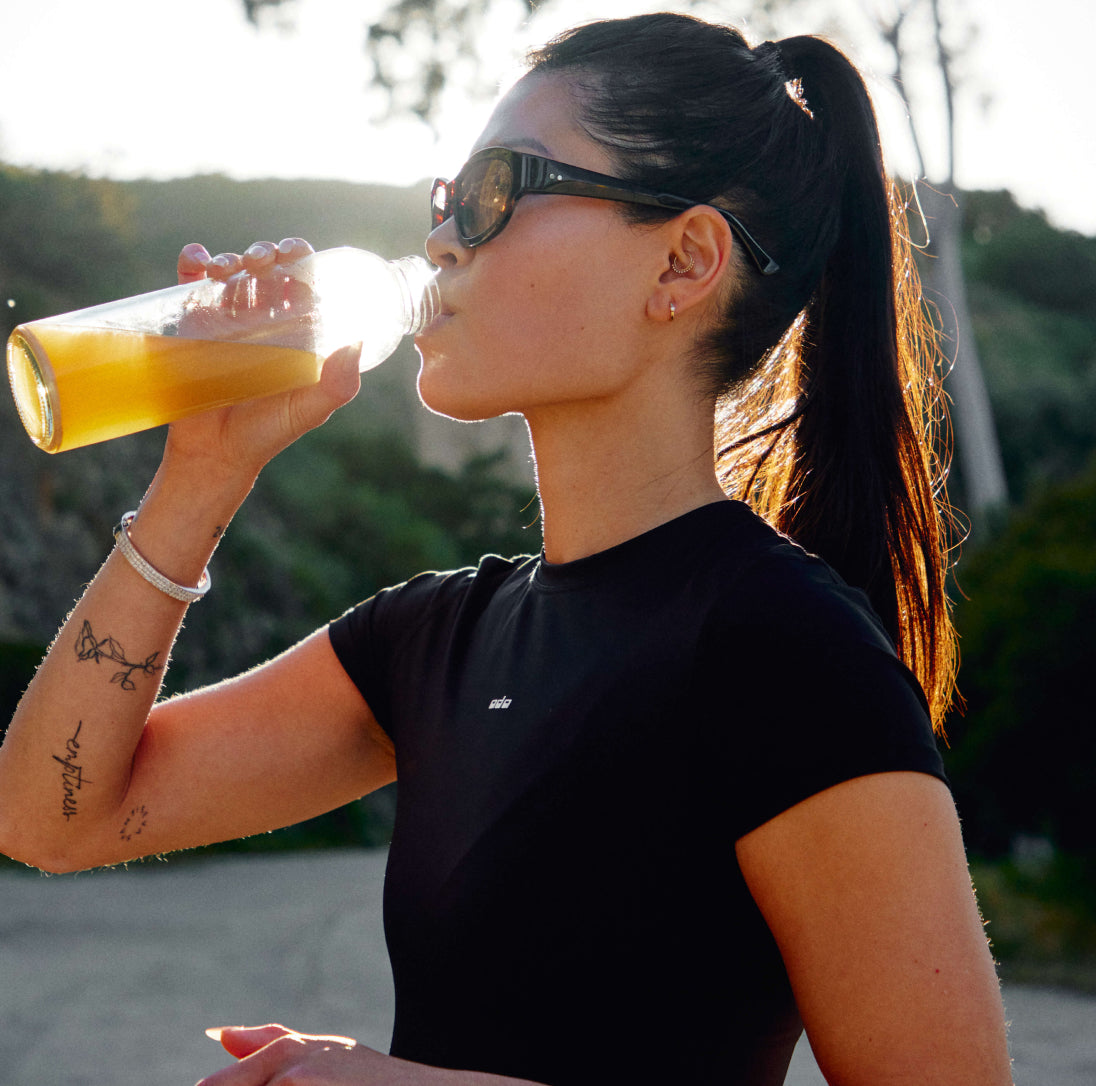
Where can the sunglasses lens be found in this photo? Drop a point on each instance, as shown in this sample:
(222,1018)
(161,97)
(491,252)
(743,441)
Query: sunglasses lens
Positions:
(484,197)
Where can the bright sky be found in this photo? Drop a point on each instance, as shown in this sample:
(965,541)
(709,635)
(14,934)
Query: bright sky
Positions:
(129,88)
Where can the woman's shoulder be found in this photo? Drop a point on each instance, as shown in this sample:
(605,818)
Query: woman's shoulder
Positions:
(436,591)
(763,580)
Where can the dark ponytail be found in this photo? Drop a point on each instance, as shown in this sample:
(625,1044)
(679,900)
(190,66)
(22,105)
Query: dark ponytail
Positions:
(824,372)
(860,489)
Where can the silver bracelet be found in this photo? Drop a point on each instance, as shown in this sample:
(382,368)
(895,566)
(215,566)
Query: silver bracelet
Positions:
(150,572)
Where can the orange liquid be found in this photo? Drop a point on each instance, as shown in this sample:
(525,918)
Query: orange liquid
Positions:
(77,385)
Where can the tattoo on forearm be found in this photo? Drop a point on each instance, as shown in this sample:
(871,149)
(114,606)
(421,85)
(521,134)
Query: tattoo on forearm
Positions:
(135,822)
(72,774)
(218,531)
(89,647)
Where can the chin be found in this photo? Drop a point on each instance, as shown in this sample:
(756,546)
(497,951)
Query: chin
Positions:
(456,414)
(455,404)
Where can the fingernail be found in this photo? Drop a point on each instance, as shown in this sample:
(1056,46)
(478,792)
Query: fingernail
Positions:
(214,1032)
(286,246)
(221,261)
(259,250)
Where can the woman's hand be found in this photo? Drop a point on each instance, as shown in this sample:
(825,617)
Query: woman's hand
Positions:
(273,1055)
(244,437)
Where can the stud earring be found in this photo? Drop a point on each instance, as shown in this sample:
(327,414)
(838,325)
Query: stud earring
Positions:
(683,271)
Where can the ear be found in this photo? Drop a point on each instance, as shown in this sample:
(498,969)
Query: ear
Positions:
(698,241)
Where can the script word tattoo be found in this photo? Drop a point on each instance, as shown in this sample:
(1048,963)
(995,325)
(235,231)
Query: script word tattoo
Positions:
(89,647)
(135,822)
(72,774)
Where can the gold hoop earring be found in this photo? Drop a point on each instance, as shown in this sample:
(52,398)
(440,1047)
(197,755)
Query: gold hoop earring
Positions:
(683,271)
(673,310)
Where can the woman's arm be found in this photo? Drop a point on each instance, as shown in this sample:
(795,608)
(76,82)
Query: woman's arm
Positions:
(83,780)
(866,890)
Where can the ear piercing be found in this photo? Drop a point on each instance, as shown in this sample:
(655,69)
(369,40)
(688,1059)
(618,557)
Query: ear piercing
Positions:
(678,270)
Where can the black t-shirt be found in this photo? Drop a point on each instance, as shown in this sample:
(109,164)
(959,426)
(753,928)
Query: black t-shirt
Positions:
(578,748)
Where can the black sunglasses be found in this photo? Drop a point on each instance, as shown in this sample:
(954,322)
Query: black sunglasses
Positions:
(482,196)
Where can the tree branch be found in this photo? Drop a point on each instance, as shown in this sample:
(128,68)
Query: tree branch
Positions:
(891,33)
(944,58)
(253,8)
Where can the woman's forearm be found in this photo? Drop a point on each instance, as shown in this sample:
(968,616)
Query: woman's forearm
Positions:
(66,764)
(66,761)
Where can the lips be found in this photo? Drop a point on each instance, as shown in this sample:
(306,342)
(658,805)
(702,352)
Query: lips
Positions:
(445,314)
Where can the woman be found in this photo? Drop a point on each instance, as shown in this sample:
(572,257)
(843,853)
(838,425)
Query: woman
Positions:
(666,791)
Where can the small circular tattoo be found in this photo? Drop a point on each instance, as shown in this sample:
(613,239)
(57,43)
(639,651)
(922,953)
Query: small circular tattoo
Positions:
(135,822)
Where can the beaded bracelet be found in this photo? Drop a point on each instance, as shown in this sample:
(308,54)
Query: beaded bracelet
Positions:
(150,572)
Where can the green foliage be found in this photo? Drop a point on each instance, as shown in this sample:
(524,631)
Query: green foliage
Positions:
(1018,251)
(18,661)
(227,216)
(1022,758)
(65,242)
(1040,367)
(1032,293)
(1039,918)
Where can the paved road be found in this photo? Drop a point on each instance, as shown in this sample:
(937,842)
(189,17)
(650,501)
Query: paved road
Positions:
(110,978)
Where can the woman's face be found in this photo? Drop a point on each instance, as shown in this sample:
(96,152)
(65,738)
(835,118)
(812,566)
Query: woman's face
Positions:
(552,311)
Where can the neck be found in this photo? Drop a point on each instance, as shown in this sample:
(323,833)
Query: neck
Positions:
(604,477)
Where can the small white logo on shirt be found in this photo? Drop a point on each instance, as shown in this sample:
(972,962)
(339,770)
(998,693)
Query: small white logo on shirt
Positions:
(499,703)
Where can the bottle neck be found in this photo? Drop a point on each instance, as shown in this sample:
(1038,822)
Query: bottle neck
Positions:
(418,282)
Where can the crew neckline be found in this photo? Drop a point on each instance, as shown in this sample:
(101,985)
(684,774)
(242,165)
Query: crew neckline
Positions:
(622,558)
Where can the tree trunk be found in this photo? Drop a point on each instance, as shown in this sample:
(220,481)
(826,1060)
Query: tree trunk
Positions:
(975,431)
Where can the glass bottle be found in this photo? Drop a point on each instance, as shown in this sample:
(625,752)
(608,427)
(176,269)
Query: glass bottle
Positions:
(125,366)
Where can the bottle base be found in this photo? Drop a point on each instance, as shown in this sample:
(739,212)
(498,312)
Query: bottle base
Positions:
(33,388)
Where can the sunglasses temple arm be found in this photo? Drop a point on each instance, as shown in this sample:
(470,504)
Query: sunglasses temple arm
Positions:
(765,263)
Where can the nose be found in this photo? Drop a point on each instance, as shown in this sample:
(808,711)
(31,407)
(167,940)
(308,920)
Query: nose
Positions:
(443,246)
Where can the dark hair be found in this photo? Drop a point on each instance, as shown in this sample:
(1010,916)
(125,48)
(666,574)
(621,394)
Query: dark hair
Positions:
(828,401)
